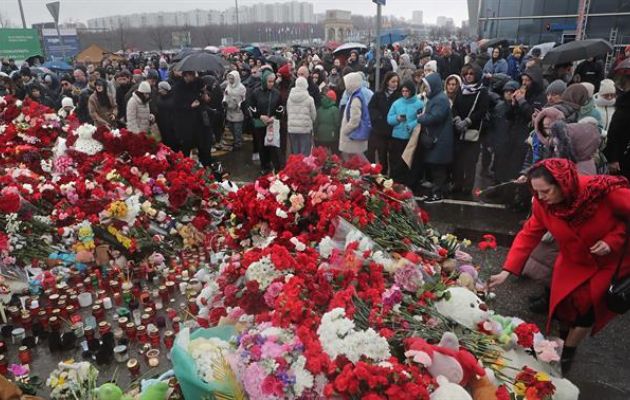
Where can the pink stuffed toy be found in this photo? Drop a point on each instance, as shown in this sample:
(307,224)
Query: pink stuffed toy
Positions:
(447,358)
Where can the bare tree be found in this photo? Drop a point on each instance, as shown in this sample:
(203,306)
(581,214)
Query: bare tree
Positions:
(160,37)
(5,22)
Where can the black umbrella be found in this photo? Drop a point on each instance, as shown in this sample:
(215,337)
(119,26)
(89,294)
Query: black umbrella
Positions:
(202,62)
(494,43)
(577,50)
(277,61)
(182,54)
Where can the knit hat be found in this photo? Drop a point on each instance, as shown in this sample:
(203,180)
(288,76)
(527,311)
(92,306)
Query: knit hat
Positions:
(144,87)
(556,87)
(285,71)
(301,83)
(332,95)
(67,102)
(164,86)
(431,66)
(590,88)
(607,87)
(409,85)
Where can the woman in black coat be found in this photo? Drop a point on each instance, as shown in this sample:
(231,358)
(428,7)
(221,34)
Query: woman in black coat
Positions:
(469,112)
(617,149)
(266,105)
(187,113)
(379,106)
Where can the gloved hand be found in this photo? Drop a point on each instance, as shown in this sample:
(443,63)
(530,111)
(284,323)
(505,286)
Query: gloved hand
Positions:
(462,125)
(456,120)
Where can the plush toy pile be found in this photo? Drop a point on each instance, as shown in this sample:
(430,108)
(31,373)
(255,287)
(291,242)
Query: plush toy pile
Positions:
(331,274)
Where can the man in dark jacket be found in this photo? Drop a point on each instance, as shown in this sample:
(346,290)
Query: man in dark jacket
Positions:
(618,145)
(82,111)
(590,70)
(123,86)
(165,117)
(379,106)
(450,63)
(187,117)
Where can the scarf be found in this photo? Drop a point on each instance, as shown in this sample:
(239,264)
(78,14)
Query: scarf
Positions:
(471,88)
(580,201)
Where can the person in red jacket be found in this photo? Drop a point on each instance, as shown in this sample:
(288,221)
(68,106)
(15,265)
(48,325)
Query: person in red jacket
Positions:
(587,216)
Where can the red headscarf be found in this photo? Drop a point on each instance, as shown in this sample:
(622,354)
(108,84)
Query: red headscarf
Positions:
(580,201)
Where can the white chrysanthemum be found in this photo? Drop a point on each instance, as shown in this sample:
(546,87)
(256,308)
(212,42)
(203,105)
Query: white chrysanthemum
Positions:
(303,379)
(338,337)
(280,190)
(326,246)
(280,213)
(262,272)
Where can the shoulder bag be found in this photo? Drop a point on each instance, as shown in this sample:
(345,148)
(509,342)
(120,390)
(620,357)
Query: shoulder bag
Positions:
(618,294)
(472,135)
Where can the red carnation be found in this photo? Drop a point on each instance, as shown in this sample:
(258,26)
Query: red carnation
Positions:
(9,202)
(525,333)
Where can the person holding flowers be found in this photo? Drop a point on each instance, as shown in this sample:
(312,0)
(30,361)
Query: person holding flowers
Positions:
(587,216)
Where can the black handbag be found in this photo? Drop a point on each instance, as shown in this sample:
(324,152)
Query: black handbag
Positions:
(618,294)
(427,140)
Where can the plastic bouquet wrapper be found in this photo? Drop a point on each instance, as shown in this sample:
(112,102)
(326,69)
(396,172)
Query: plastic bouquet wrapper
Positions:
(200,363)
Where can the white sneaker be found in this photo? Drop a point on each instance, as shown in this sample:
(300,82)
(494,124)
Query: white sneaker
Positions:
(255,157)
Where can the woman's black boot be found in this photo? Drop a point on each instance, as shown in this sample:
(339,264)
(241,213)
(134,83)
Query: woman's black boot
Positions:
(568,354)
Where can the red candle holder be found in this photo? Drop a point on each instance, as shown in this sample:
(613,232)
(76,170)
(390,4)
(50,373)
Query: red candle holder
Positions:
(142,335)
(4,365)
(154,338)
(169,339)
(134,367)
(176,322)
(25,355)
(104,327)
(26,320)
(88,331)
(130,331)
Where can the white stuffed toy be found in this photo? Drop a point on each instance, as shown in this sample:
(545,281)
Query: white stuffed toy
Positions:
(449,391)
(463,307)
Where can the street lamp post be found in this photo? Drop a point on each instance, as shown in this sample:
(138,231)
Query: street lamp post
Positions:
(22,14)
(238,25)
(377,55)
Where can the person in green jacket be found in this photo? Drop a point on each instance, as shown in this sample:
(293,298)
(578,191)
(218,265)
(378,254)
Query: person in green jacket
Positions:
(327,123)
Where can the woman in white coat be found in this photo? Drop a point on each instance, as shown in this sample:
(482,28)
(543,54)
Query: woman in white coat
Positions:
(301,114)
(235,94)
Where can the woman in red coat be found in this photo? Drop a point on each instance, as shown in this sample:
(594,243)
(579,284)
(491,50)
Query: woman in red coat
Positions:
(587,216)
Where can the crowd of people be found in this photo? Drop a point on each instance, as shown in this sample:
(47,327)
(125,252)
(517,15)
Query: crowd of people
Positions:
(443,116)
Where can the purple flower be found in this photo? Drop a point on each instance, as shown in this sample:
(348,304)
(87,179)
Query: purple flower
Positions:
(392,296)
(19,370)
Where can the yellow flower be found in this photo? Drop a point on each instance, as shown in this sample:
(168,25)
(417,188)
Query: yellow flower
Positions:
(117,209)
(520,388)
(112,175)
(122,239)
(466,243)
(543,377)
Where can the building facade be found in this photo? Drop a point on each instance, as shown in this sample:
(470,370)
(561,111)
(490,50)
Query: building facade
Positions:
(417,17)
(539,21)
(338,25)
(287,12)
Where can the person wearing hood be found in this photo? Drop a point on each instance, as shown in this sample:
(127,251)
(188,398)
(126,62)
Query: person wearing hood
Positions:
(187,116)
(589,109)
(320,79)
(438,122)
(528,99)
(301,114)
(571,102)
(618,138)
(139,116)
(406,68)
(233,99)
(313,89)
(452,87)
(102,106)
(163,70)
(605,103)
(353,61)
(431,66)
(379,106)
(509,150)
(327,123)
(123,86)
(403,117)
(265,105)
(164,118)
(67,108)
(355,118)
(469,111)
(495,65)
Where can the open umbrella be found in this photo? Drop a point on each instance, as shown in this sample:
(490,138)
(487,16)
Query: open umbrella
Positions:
(230,50)
(544,48)
(486,44)
(577,50)
(252,50)
(58,66)
(183,53)
(277,61)
(202,62)
(348,47)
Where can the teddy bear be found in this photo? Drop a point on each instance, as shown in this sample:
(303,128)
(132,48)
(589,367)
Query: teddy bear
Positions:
(449,391)
(463,306)
(445,359)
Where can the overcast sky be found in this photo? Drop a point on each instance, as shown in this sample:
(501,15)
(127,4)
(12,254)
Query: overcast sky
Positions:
(82,10)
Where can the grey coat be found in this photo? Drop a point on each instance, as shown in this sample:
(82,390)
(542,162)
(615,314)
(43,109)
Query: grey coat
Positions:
(437,120)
